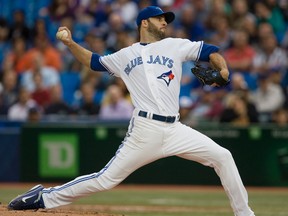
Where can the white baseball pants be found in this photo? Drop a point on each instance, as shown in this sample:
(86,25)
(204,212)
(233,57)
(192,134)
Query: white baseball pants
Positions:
(146,141)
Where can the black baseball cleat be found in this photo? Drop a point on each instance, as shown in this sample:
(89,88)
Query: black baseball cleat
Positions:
(32,199)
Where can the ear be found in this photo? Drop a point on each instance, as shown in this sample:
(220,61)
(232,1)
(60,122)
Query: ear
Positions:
(144,23)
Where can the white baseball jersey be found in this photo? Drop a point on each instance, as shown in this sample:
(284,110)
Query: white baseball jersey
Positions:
(152,73)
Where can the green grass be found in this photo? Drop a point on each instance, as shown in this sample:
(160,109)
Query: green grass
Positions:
(182,202)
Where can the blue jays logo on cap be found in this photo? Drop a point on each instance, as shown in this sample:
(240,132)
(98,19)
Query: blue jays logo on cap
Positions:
(153,11)
(167,77)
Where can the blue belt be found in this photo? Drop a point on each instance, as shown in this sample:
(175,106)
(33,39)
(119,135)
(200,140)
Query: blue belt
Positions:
(169,119)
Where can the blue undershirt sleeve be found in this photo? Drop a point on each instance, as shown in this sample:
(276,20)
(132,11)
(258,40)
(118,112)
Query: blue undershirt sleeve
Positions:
(207,49)
(95,63)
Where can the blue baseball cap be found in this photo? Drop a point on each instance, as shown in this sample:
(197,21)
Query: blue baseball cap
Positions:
(153,11)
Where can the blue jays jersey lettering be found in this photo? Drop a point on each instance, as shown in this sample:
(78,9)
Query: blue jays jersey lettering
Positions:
(152,60)
(162,60)
(132,64)
(143,68)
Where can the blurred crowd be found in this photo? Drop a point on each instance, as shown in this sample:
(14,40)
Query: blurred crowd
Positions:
(40,79)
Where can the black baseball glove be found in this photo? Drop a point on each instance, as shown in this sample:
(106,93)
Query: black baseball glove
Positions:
(208,76)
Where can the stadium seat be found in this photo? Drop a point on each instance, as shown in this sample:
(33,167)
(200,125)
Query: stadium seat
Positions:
(70,83)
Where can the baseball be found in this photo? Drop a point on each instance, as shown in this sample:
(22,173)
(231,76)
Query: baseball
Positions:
(62,34)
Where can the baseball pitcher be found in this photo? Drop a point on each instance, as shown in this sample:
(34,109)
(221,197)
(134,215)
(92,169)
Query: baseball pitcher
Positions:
(151,70)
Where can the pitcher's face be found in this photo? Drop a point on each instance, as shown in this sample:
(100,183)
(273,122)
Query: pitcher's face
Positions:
(157,27)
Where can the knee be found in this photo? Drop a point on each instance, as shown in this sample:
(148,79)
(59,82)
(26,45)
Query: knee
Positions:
(224,156)
(107,183)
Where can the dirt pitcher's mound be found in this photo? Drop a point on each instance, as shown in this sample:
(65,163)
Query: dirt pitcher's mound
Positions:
(59,212)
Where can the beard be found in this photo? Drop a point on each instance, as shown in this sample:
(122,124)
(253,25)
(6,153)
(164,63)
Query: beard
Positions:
(153,30)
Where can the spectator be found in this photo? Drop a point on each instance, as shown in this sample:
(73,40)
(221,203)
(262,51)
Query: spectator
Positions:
(57,10)
(208,107)
(91,13)
(284,42)
(279,12)
(51,56)
(263,29)
(4,42)
(219,8)
(240,14)
(49,75)
(283,5)
(96,43)
(98,84)
(19,27)
(221,35)
(124,39)
(166,5)
(3,107)
(57,105)
(238,82)
(269,12)
(186,104)
(269,56)
(268,97)
(202,8)
(9,88)
(144,3)
(39,29)
(128,10)
(34,115)
(280,117)
(115,106)
(87,104)
(119,82)
(240,55)
(238,110)
(187,20)
(14,58)
(40,94)
(116,25)
(20,110)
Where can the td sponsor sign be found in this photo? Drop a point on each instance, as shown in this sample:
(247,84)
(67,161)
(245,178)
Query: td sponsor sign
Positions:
(58,154)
